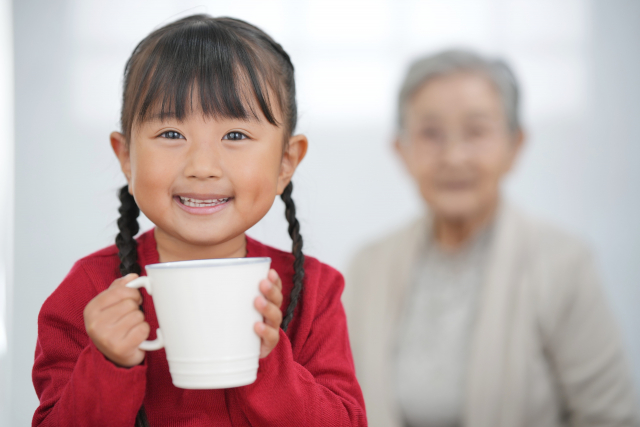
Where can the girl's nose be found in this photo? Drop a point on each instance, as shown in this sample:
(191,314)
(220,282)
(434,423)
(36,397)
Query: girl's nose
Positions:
(204,161)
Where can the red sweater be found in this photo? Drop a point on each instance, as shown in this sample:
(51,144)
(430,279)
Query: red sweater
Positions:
(307,380)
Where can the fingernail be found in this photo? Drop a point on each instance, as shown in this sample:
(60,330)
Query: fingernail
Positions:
(269,285)
(262,302)
(273,275)
(260,327)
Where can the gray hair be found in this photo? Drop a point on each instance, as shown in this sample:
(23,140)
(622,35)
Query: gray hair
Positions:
(454,61)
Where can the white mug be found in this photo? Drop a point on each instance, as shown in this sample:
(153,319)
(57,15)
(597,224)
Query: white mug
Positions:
(206,315)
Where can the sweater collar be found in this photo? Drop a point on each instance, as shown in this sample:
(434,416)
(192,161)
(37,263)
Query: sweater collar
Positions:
(148,248)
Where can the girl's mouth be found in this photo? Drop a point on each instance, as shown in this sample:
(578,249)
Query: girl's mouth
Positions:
(202,206)
(198,203)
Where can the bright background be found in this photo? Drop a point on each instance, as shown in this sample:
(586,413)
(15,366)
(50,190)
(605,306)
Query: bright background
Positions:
(578,63)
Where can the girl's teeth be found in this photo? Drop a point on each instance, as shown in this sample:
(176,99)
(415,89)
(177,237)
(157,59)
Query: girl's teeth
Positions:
(197,203)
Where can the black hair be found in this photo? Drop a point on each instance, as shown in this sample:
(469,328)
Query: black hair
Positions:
(230,68)
(212,61)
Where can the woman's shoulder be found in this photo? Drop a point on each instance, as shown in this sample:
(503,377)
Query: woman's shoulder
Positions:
(560,265)
(549,241)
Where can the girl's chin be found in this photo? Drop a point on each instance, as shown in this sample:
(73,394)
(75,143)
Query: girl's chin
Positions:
(204,235)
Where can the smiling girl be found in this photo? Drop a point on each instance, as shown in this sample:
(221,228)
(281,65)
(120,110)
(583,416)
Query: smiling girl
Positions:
(206,145)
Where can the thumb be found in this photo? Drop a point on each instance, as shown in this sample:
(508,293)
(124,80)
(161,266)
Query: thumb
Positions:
(122,281)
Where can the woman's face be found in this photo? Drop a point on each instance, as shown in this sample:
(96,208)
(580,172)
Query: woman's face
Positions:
(457,145)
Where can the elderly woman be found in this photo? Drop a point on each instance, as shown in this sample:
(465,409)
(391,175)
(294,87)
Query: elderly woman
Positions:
(476,314)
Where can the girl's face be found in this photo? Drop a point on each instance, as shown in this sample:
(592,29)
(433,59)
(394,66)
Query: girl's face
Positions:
(205,181)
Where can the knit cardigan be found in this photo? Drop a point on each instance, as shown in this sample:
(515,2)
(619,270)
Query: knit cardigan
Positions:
(545,348)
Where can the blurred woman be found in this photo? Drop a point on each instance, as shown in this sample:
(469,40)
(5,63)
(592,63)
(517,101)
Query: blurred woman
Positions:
(476,314)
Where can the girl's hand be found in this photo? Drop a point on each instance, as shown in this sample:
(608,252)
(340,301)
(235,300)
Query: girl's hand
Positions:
(269,306)
(115,323)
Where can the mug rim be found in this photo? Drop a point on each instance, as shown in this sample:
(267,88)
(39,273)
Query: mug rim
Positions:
(215,262)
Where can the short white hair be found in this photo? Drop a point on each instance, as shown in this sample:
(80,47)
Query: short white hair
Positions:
(455,61)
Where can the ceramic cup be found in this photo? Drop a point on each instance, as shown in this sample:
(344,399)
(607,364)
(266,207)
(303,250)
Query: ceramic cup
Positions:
(206,315)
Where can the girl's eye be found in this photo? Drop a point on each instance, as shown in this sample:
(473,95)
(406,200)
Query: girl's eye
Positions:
(172,134)
(235,136)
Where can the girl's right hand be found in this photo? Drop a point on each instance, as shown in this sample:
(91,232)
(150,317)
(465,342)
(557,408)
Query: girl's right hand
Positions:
(115,323)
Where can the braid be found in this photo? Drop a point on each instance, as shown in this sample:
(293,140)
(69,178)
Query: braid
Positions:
(141,418)
(128,226)
(128,254)
(298,263)
(291,113)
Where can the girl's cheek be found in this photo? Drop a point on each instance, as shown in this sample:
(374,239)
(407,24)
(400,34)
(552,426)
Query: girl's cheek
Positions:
(260,178)
(263,194)
(254,184)
(153,177)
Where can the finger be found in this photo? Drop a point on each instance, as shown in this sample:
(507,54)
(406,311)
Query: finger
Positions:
(106,322)
(271,312)
(271,292)
(137,334)
(274,278)
(97,316)
(115,295)
(115,312)
(113,336)
(128,322)
(130,344)
(269,336)
(122,281)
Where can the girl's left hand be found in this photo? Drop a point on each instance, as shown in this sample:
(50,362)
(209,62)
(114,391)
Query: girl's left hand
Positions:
(268,304)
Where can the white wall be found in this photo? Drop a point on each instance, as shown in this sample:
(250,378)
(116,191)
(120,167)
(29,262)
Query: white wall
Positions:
(610,191)
(6,193)
(349,58)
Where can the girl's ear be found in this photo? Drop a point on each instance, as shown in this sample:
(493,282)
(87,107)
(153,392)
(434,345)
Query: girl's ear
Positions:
(293,155)
(119,145)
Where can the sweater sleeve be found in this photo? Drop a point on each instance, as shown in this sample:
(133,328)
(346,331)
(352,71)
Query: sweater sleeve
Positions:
(315,387)
(76,384)
(587,351)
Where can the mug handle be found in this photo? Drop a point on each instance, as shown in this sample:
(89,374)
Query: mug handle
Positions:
(158,343)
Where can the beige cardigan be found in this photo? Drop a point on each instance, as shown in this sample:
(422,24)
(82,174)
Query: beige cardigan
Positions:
(545,350)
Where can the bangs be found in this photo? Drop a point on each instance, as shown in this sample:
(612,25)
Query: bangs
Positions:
(205,62)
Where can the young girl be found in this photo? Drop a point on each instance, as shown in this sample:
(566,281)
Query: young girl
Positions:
(206,145)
